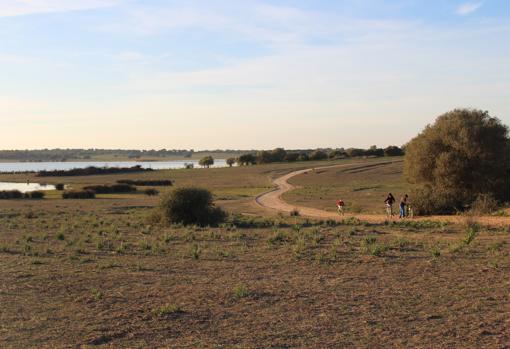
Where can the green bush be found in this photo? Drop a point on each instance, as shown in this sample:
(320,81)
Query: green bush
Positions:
(10,194)
(463,156)
(83,194)
(59,186)
(110,189)
(151,192)
(35,195)
(191,205)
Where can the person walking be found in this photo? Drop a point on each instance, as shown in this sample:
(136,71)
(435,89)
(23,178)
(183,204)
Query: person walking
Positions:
(403,203)
(390,200)
(340,206)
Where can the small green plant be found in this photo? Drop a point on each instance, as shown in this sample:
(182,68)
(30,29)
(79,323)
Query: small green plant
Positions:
(168,309)
(370,246)
(241,291)
(96,294)
(196,251)
(401,243)
(277,237)
(435,252)
(470,235)
(61,236)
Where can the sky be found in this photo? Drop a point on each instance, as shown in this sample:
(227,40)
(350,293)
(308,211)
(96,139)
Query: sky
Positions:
(245,74)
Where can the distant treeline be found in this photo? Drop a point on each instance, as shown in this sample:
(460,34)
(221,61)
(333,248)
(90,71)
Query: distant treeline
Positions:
(282,155)
(142,183)
(91,170)
(87,154)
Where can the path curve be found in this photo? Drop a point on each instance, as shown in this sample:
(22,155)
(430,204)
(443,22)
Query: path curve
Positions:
(272,200)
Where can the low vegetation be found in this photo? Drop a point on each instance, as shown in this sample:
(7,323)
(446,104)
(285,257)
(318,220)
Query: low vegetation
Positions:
(91,170)
(190,205)
(110,189)
(79,194)
(16,194)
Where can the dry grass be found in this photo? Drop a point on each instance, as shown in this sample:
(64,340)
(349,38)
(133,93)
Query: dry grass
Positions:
(100,272)
(362,187)
(115,281)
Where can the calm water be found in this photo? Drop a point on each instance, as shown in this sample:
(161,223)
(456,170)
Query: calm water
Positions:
(48,166)
(25,187)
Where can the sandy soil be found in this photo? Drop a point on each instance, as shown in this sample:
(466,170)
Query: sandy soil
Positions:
(273,201)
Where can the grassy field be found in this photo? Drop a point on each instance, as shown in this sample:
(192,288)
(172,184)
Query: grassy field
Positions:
(99,273)
(362,187)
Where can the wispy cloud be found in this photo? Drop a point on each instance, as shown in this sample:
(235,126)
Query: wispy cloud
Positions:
(9,8)
(468,8)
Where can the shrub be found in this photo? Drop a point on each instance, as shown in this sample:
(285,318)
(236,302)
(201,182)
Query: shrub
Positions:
(35,195)
(484,204)
(83,194)
(151,192)
(294,212)
(10,194)
(59,186)
(191,205)
(109,189)
(464,154)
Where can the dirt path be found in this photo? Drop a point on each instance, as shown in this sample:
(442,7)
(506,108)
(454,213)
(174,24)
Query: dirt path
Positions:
(273,201)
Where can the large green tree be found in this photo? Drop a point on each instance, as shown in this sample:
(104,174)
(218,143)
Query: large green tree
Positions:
(464,155)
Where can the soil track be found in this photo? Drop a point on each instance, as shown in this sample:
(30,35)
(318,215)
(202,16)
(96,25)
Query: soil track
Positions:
(273,201)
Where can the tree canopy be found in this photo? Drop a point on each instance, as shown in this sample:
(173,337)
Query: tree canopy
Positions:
(463,155)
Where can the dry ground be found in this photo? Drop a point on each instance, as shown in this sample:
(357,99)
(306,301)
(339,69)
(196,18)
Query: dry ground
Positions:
(97,273)
(104,278)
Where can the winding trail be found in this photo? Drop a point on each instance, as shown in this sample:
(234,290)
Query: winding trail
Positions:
(272,200)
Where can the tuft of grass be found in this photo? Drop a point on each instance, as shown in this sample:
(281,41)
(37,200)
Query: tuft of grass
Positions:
(401,243)
(370,246)
(96,294)
(241,291)
(278,237)
(470,235)
(168,309)
(196,251)
(61,236)
(435,252)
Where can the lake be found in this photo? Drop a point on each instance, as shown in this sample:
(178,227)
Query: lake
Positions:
(25,187)
(49,166)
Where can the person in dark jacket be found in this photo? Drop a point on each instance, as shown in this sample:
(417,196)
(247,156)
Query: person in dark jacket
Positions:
(390,200)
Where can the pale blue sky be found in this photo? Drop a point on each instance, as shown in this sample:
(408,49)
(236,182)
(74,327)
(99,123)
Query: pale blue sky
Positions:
(247,73)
